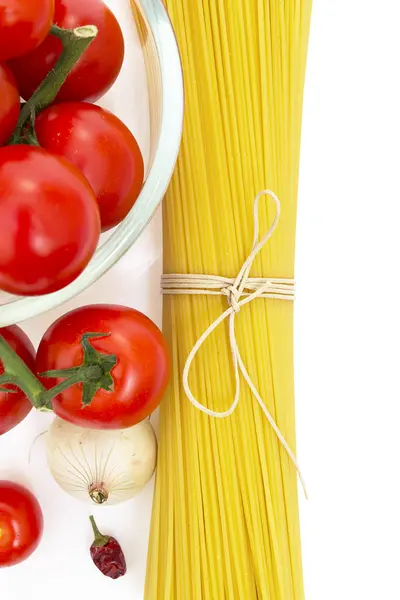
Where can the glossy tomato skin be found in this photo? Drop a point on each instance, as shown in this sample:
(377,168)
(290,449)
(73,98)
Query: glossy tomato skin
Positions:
(14,407)
(21,523)
(49,221)
(24,24)
(9,103)
(98,68)
(113,167)
(140,375)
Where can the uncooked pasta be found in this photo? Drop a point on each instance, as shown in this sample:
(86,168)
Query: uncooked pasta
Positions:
(225,521)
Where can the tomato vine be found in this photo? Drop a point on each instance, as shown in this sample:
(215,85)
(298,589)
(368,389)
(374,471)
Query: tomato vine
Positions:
(75,42)
(94,373)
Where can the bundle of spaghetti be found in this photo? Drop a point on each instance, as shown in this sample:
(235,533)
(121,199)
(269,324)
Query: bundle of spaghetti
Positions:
(225,521)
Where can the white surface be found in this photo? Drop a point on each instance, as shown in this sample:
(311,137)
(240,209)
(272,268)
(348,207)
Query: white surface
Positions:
(347,313)
(61,567)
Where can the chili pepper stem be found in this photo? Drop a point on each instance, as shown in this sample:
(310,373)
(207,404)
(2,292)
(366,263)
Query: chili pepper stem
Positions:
(75,42)
(99,539)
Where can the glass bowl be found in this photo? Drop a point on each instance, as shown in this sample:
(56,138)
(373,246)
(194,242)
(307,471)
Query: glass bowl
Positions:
(165,90)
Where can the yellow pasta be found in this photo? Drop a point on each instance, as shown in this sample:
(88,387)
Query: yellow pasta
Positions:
(225,520)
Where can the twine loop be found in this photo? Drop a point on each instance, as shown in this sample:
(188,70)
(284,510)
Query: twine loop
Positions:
(239,291)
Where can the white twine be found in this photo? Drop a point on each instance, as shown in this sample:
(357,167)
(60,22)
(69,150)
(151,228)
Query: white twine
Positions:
(239,291)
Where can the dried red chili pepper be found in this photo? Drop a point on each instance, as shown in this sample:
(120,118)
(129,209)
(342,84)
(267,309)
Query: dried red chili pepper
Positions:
(107,554)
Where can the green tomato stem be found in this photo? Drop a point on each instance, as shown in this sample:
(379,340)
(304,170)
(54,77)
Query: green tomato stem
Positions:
(75,42)
(17,373)
(94,374)
(81,375)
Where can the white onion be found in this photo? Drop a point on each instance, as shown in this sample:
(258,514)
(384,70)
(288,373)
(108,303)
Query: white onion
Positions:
(101,466)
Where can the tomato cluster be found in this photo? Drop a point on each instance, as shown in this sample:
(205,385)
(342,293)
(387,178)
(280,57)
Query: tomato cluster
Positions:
(76,170)
(139,376)
(139,379)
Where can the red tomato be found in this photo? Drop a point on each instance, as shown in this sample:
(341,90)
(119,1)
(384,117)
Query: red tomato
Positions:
(140,375)
(9,103)
(49,221)
(23,25)
(21,523)
(16,406)
(113,167)
(97,69)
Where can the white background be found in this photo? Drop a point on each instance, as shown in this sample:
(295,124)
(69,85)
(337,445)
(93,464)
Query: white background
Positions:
(347,313)
(347,338)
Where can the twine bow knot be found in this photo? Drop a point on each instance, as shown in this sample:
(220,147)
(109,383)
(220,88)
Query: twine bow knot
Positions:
(233,295)
(239,291)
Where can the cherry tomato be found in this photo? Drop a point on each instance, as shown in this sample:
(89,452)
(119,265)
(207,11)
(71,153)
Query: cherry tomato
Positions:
(97,69)
(49,221)
(14,407)
(24,24)
(113,167)
(140,375)
(21,523)
(9,103)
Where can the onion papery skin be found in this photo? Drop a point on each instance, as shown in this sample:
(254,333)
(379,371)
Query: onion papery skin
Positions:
(101,467)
